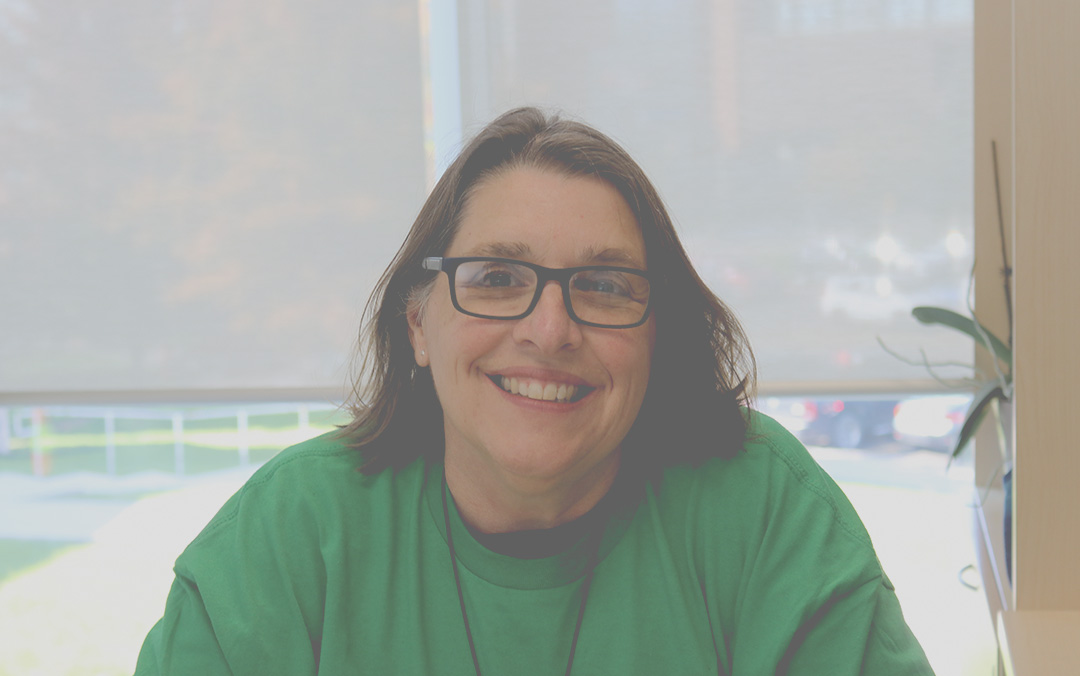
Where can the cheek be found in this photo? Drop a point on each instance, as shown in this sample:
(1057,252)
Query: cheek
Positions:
(641,378)
(458,348)
(644,366)
(630,362)
(648,349)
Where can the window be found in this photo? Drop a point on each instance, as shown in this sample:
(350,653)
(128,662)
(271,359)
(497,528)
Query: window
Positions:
(197,197)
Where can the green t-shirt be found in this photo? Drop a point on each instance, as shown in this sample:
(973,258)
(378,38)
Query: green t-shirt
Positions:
(748,566)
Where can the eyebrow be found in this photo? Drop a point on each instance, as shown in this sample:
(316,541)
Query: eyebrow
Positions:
(590,255)
(612,256)
(504,250)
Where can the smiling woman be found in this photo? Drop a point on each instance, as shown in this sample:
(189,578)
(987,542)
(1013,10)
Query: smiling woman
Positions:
(559,469)
(701,368)
(524,460)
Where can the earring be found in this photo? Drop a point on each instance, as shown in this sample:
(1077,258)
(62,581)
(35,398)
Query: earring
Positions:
(422,353)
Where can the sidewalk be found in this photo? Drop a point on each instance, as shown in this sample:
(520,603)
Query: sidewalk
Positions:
(72,507)
(919,517)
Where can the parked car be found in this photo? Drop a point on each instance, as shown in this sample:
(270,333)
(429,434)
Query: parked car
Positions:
(848,423)
(932,422)
(839,422)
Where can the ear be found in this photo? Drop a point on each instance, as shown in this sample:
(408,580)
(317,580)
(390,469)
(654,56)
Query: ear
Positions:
(417,337)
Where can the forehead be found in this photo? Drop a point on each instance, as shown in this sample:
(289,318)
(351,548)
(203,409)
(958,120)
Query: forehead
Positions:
(549,218)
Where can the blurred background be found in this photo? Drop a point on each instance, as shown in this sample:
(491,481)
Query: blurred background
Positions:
(196,198)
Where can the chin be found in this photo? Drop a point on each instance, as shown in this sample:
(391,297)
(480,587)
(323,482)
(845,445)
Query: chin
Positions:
(541,464)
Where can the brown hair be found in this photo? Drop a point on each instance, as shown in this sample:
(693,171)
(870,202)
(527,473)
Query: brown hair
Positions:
(702,371)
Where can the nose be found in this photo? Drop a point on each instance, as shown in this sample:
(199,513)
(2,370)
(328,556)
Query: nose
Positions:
(549,326)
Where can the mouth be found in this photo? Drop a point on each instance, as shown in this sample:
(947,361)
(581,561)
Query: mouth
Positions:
(542,390)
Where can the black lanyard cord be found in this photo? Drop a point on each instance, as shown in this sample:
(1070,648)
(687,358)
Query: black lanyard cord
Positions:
(461,596)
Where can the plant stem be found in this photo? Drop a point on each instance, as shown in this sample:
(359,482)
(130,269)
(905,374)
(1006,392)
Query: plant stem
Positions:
(1005,270)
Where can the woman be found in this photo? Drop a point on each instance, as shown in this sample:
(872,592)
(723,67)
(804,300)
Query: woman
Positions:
(558,473)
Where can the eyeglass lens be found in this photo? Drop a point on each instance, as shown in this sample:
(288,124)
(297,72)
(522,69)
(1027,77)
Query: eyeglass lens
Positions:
(600,296)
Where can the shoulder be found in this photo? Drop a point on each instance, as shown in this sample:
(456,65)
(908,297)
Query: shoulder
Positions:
(773,488)
(325,457)
(783,559)
(289,477)
(301,494)
(773,451)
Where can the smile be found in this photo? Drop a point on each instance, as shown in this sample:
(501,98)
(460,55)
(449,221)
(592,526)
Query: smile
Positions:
(563,393)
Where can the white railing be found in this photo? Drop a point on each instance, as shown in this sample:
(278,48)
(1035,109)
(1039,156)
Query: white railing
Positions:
(29,423)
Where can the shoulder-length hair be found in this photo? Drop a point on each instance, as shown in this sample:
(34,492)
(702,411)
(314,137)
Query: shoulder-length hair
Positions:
(702,371)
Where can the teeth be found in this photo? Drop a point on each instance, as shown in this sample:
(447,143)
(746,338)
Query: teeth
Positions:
(534,389)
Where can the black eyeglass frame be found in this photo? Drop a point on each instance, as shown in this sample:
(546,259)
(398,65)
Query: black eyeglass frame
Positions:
(543,276)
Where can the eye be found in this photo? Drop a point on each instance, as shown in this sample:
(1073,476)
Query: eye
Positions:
(607,288)
(601,286)
(496,278)
(604,283)
(493,275)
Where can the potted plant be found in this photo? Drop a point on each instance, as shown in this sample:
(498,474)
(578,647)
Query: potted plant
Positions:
(991,391)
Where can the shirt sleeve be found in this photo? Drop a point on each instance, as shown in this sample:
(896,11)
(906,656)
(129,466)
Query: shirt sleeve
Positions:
(182,642)
(862,632)
(247,596)
(811,596)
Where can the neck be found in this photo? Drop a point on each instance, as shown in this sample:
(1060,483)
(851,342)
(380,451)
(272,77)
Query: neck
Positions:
(494,502)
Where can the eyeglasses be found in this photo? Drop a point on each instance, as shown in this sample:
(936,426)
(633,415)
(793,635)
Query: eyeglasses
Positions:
(503,288)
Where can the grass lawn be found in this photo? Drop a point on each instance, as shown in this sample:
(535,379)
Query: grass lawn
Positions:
(85,609)
(17,555)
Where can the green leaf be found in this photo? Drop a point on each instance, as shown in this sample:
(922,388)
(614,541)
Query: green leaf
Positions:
(963,324)
(976,412)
